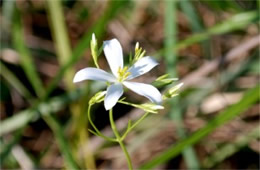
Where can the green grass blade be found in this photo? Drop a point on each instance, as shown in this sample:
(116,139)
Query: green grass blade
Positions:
(23,118)
(53,105)
(60,35)
(14,81)
(170,30)
(7,12)
(8,145)
(25,56)
(61,140)
(192,17)
(17,121)
(231,112)
(175,112)
(229,149)
(236,22)
(195,23)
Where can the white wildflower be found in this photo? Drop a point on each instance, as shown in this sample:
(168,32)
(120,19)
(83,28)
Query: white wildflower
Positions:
(121,75)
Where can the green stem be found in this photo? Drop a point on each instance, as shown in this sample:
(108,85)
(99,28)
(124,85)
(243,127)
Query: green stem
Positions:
(134,125)
(119,139)
(96,129)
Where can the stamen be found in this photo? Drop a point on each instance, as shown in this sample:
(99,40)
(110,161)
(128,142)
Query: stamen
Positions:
(123,74)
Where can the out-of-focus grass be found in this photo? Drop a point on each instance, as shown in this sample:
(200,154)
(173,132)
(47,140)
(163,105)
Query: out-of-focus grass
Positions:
(195,23)
(12,80)
(52,105)
(228,149)
(7,146)
(175,112)
(236,22)
(26,58)
(31,73)
(248,100)
(60,34)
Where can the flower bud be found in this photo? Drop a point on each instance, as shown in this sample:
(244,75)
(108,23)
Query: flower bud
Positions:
(164,80)
(136,46)
(172,91)
(150,107)
(98,97)
(94,49)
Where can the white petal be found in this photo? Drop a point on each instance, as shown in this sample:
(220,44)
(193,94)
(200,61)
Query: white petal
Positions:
(91,73)
(114,55)
(145,90)
(114,92)
(142,66)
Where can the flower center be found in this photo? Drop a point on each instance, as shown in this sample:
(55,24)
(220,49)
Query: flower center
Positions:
(122,73)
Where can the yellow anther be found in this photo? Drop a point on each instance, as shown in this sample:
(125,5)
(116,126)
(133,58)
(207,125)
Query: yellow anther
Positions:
(127,74)
(122,74)
(124,69)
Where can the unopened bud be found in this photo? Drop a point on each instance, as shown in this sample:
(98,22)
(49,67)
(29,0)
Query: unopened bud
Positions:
(94,49)
(164,80)
(136,46)
(172,91)
(98,97)
(151,107)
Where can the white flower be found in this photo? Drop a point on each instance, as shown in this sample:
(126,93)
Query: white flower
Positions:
(121,75)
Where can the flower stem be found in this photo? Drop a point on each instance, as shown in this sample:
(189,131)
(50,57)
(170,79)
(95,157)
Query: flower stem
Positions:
(98,133)
(119,140)
(134,125)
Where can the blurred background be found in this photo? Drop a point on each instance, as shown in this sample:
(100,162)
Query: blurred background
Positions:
(211,46)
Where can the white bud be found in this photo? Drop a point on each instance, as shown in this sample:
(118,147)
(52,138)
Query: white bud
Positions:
(136,46)
(94,40)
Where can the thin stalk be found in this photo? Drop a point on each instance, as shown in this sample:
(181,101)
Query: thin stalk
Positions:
(119,140)
(134,125)
(95,128)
